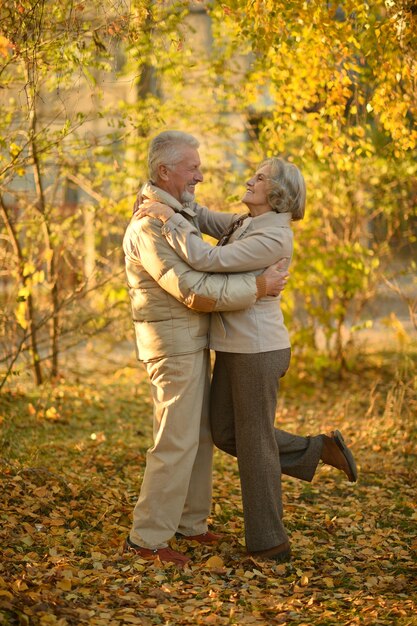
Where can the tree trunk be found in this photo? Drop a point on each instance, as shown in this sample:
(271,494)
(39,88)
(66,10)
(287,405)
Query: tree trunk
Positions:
(31,331)
(89,244)
(51,272)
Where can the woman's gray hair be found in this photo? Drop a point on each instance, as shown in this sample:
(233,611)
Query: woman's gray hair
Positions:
(287,190)
(165,149)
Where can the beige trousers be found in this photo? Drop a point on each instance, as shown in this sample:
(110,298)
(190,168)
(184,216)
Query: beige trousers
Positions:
(176,487)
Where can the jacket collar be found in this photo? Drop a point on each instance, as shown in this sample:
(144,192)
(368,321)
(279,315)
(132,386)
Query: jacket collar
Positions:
(159,195)
(272,217)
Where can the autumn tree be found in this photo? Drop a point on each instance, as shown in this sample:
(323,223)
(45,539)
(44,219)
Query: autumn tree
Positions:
(332,87)
(80,97)
(85,84)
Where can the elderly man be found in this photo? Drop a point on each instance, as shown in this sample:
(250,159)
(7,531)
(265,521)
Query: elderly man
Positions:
(171,303)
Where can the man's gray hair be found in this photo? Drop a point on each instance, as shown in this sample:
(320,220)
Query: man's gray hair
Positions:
(165,149)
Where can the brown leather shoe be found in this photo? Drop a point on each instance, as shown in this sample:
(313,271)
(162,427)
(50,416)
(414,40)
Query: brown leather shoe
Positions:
(207,537)
(165,555)
(336,453)
(279,553)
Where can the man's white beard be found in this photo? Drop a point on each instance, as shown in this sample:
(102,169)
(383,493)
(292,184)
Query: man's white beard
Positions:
(187,197)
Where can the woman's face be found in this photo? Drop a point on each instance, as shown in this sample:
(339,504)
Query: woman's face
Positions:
(257,188)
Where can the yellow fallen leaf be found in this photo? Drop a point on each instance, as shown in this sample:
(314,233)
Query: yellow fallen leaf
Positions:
(214,562)
(328,582)
(64,584)
(368,552)
(139,567)
(19,585)
(27,540)
(52,413)
(159,577)
(98,556)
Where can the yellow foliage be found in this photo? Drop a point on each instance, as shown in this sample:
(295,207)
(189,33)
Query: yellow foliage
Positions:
(5,46)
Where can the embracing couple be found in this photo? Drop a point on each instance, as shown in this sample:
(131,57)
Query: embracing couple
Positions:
(188,297)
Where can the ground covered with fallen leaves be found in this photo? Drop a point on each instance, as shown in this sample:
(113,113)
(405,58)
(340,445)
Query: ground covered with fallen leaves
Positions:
(72,455)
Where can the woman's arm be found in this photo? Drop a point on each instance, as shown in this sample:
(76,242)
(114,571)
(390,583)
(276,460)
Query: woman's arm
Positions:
(254,252)
(212,223)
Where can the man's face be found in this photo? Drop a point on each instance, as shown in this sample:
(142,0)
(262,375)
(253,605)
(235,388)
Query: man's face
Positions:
(180,179)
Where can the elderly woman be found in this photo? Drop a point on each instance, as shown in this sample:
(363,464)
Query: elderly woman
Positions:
(253,352)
